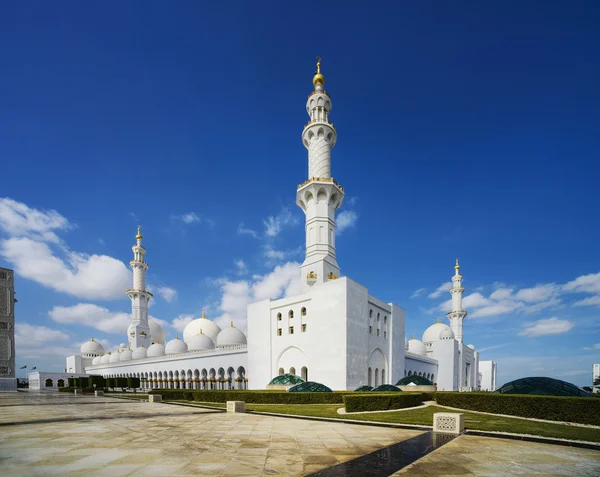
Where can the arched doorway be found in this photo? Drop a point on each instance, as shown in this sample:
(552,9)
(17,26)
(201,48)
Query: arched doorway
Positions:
(304,373)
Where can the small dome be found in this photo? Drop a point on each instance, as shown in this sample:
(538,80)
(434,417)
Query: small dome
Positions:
(386,388)
(433,332)
(176,346)
(231,337)
(471,346)
(286,379)
(122,345)
(310,387)
(96,360)
(105,359)
(91,348)
(155,350)
(362,389)
(139,353)
(542,386)
(447,334)
(114,358)
(157,334)
(417,347)
(414,380)
(126,355)
(207,326)
(200,342)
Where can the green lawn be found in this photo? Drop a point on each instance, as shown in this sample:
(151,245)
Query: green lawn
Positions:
(424,416)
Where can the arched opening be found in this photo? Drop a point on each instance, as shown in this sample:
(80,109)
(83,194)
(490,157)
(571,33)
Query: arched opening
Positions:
(304,373)
(410,373)
(292,370)
(48,383)
(60,383)
(241,378)
(278,316)
(303,311)
(370,378)
(291,314)
(230,377)
(376,377)
(383,376)
(281,371)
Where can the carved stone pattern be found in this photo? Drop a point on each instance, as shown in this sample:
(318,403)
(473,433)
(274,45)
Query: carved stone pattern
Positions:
(3,275)
(4,370)
(4,306)
(319,158)
(446,423)
(3,325)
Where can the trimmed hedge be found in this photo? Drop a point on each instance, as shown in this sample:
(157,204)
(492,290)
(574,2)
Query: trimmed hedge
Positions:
(381,402)
(553,408)
(255,397)
(97,380)
(133,382)
(65,389)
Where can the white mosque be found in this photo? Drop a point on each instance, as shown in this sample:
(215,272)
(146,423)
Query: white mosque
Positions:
(335,332)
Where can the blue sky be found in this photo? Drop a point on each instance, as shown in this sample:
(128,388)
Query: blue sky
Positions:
(466,130)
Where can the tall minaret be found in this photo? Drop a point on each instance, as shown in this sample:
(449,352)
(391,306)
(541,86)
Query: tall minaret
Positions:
(457,315)
(320,196)
(139,330)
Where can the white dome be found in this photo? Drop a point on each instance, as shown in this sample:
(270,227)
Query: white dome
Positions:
(471,346)
(176,346)
(157,334)
(91,348)
(126,355)
(123,345)
(114,358)
(405,343)
(207,326)
(157,349)
(231,337)
(104,359)
(417,347)
(433,332)
(200,341)
(139,353)
(96,360)
(447,334)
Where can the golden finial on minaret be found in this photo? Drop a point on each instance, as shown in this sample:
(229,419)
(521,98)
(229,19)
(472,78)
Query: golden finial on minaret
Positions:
(457,266)
(318,78)
(438,321)
(139,234)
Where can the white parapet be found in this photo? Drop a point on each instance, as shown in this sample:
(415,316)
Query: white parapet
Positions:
(98,393)
(449,422)
(154,398)
(236,406)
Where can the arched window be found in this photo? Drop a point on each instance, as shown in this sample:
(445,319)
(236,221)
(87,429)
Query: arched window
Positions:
(61,383)
(303,311)
(370,313)
(281,371)
(432,377)
(48,383)
(383,376)
(377,317)
(385,320)
(291,314)
(376,377)
(278,316)
(304,373)
(410,373)
(292,370)
(369,377)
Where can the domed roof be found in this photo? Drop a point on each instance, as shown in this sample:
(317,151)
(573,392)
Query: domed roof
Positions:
(105,359)
(92,347)
(416,380)
(386,388)
(417,347)
(447,334)
(200,341)
(123,345)
(364,388)
(471,346)
(309,387)
(140,353)
(96,360)
(231,337)
(542,387)
(157,334)
(434,331)
(285,379)
(114,358)
(126,355)
(155,350)
(176,346)
(207,326)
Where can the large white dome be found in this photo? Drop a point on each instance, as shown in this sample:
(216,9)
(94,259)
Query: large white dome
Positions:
(433,332)
(176,346)
(231,337)
(91,348)
(126,355)
(157,334)
(200,341)
(104,359)
(96,360)
(447,334)
(417,347)
(139,353)
(207,326)
(114,358)
(155,350)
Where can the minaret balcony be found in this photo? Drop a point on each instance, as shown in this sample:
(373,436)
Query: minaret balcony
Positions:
(322,179)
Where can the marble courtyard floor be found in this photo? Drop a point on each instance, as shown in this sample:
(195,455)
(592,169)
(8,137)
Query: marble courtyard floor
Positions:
(61,434)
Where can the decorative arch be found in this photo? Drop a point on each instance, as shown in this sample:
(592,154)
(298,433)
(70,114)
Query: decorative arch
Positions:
(292,357)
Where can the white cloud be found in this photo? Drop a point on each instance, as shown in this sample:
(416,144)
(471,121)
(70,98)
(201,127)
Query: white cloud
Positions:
(34,342)
(501,294)
(537,293)
(189,218)
(97,277)
(345,220)
(167,293)
(589,301)
(444,287)
(241,230)
(38,334)
(242,269)
(593,347)
(274,224)
(181,321)
(418,292)
(19,220)
(549,326)
(584,284)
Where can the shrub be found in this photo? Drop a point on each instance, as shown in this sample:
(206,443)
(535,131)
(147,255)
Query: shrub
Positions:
(119,382)
(256,397)
(71,382)
(381,402)
(553,408)
(65,389)
(133,383)
(97,380)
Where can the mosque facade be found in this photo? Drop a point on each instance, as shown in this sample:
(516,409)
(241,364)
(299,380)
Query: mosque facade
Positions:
(334,332)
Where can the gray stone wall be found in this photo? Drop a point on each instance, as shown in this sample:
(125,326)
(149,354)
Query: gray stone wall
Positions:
(7,324)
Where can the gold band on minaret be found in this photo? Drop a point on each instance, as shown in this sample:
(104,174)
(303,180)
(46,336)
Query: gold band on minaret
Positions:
(457,266)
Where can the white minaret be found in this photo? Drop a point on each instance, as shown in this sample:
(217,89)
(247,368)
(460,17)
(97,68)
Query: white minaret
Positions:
(320,196)
(457,315)
(139,330)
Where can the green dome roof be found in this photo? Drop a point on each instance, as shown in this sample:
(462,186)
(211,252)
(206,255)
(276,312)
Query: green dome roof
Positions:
(386,388)
(364,388)
(286,380)
(542,387)
(310,387)
(416,380)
